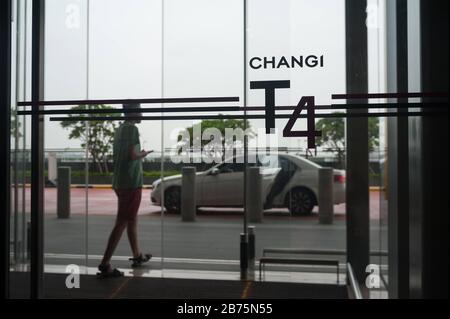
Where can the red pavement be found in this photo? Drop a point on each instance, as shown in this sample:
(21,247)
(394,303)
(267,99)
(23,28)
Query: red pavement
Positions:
(104,202)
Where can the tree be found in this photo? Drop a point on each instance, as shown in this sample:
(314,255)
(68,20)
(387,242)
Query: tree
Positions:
(99,137)
(15,125)
(333,135)
(210,146)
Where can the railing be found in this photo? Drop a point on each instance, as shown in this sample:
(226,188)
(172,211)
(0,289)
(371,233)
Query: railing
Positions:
(354,285)
(323,155)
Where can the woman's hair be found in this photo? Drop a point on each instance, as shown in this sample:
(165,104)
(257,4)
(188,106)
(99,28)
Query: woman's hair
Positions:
(130,106)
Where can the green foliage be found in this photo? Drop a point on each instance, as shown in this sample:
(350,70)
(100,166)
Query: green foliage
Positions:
(333,135)
(225,143)
(15,125)
(374,133)
(99,136)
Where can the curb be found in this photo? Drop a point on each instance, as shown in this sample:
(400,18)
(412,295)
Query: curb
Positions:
(99,186)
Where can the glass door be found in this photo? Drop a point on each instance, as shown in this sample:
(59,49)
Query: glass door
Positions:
(203,45)
(295,60)
(20,155)
(238,102)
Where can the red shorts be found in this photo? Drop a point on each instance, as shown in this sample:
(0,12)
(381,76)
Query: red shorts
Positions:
(129,202)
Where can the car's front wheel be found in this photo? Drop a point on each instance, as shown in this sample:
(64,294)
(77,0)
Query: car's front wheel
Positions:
(172,200)
(300,201)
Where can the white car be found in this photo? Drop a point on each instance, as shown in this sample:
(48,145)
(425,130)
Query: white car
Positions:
(223,184)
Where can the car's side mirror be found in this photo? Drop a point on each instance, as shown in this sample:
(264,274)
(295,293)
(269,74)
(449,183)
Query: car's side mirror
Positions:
(214,171)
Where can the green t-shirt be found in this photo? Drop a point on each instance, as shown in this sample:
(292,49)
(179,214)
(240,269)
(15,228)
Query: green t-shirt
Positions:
(127,172)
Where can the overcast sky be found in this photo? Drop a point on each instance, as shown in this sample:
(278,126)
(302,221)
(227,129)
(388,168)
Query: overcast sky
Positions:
(195,48)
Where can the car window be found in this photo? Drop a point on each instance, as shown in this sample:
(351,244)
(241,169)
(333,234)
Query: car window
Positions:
(286,164)
(263,161)
(275,161)
(231,168)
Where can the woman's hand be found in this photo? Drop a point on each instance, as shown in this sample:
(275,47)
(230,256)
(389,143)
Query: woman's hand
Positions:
(144,153)
(137,155)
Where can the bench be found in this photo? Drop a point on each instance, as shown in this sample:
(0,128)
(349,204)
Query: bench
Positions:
(296,261)
(330,252)
(298,251)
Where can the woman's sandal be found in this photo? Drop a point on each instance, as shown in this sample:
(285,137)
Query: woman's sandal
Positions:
(137,262)
(107,272)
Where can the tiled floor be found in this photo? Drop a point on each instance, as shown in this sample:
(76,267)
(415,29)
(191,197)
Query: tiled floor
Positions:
(169,288)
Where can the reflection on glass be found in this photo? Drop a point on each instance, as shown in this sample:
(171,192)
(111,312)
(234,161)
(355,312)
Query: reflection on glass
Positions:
(20,156)
(195,49)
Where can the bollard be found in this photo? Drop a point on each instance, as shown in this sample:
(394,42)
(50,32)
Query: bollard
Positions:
(254,195)
(326,208)
(188,200)
(63,192)
(52,167)
(251,247)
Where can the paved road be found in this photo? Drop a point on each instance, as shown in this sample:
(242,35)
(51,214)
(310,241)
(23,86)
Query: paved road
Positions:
(214,236)
(209,237)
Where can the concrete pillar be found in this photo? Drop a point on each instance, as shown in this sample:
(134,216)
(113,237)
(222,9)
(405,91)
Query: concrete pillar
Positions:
(37,150)
(63,196)
(357,187)
(52,167)
(188,192)
(326,208)
(397,163)
(254,195)
(428,180)
(5,144)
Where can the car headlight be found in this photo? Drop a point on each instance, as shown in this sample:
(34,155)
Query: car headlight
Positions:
(156,184)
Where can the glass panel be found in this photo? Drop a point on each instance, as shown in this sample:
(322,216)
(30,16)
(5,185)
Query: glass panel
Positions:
(125,63)
(203,47)
(286,43)
(112,49)
(376,32)
(100,60)
(20,155)
(65,195)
